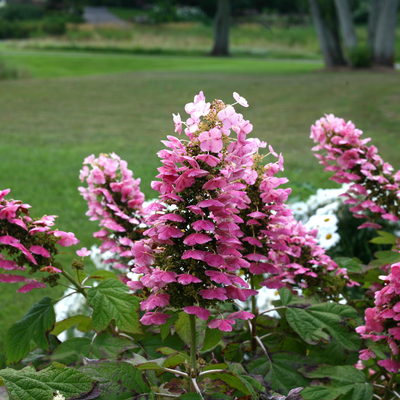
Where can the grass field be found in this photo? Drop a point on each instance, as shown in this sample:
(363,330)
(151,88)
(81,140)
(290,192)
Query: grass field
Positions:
(94,103)
(192,38)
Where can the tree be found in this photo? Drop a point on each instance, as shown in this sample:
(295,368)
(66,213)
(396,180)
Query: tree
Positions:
(327,15)
(324,19)
(221,28)
(382,35)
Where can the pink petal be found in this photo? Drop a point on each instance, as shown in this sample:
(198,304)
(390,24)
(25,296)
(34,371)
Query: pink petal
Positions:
(186,279)
(32,285)
(196,238)
(83,252)
(200,312)
(40,251)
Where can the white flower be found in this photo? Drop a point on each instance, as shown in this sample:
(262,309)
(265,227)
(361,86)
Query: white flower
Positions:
(300,211)
(323,222)
(328,240)
(58,396)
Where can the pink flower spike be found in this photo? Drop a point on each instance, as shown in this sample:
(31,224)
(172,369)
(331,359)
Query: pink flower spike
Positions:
(241,100)
(200,312)
(83,252)
(40,251)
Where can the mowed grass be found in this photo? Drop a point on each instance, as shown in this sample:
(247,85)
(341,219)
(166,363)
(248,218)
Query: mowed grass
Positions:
(64,64)
(48,126)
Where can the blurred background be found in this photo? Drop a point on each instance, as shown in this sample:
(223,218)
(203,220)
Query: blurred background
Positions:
(81,77)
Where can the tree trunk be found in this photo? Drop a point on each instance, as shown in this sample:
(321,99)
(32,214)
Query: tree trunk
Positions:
(221,29)
(373,22)
(328,37)
(346,24)
(383,44)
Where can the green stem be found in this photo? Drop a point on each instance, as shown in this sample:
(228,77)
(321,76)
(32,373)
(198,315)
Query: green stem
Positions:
(253,322)
(193,346)
(391,383)
(77,285)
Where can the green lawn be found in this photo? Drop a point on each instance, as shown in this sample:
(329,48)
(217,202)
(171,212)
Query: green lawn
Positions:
(49,125)
(64,64)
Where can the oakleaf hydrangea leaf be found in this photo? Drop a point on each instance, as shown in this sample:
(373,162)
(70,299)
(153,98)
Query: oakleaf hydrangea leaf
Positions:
(321,321)
(117,380)
(34,326)
(27,384)
(344,381)
(110,301)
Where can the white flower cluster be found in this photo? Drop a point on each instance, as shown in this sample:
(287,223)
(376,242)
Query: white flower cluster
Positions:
(319,212)
(58,396)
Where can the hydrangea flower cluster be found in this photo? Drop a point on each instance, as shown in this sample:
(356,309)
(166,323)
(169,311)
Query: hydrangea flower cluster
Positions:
(376,191)
(382,322)
(281,246)
(226,217)
(114,198)
(190,260)
(25,242)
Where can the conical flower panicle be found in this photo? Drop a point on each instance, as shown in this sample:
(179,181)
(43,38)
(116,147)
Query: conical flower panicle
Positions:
(28,243)
(375,188)
(190,261)
(279,247)
(114,198)
(382,322)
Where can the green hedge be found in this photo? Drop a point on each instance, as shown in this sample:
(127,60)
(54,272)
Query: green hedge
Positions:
(26,29)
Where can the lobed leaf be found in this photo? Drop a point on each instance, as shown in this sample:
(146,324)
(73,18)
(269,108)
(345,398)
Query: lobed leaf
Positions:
(345,381)
(117,380)
(27,384)
(111,302)
(35,326)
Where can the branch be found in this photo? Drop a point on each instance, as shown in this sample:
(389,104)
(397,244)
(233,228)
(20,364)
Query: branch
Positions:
(272,309)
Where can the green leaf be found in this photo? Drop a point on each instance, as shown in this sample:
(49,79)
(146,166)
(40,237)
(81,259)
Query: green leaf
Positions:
(282,374)
(83,322)
(166,328)
(190,396)
(182,327)
(102,274)
(35,326)
(336,381)
(110,346)
(286,296)
(72,350)
(212,338)
(385,257)
(27,384)
(231,379)
(110,301)
(117,380)
(312,322)
(332,353)
(353,265)
(152,343)
(105,345)
(384,238)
